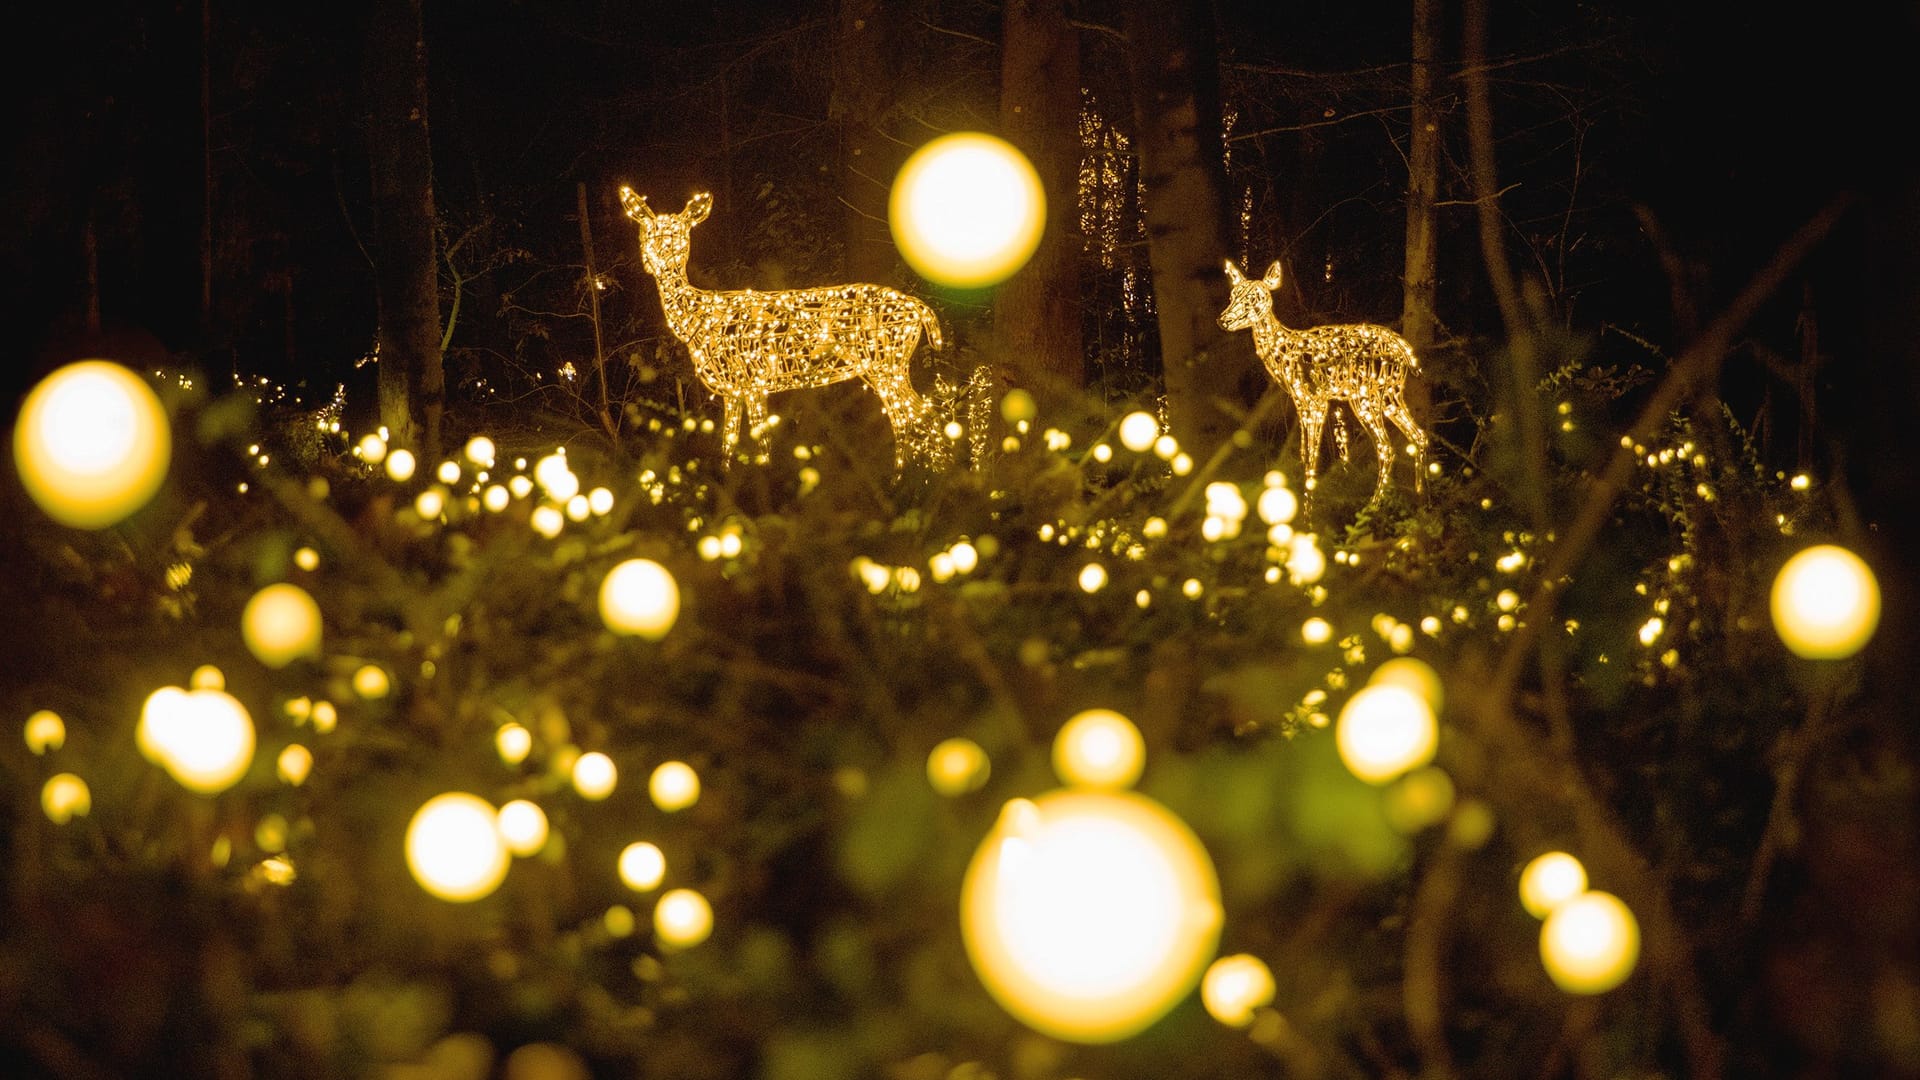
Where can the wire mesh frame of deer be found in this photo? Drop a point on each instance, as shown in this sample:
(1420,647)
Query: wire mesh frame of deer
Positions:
(1364,365)
(747,343)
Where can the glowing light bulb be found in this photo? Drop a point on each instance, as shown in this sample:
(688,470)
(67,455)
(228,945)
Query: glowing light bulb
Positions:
(1413,674)
(967,210)
(1089,914)
(454,847)
(1549,881)
(45,731)
(1590,944)
(1278,505)
(1234,987)
(372,448)
(480,451)
(1316,631)
(594,776)
(513,742)
(1018,405)
(682,919)
(203,738)
(556,478)
(1384,731)
(281,624)
(1093,577)
(1422,798)
(400,465)
(294,763)
(640,598)
(371,682)
(523,827)
(1138,430)
(65,797)
(957,766)
(1099,748)
(642,866)
(92,444)
(1826,603)
(306,558)
(674,786)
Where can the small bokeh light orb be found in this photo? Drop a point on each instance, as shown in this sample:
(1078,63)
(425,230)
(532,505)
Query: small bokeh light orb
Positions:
(967,210)
(682,919)
(1234,987)
(1826,603)
(957,766)
(642,866)
(401,464)
(513,743)
(639,598)
(1385,730)
(92,444)
(523,826)
(294,764)
(454,847)
(594,776)
(1138,431)
(1418,800)
(1549,881)
(674,786)
(1590,944)
(281,624)
(1089,914)
(45,731)
(203,738)
(1099,748)
(65,797)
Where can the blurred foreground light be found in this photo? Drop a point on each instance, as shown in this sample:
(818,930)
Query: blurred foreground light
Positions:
(957,766)
(1590,944)
(674,786)
(294,763)
(1138,430)
(1385,730)
(1018,405)
(1093,577)
(400,465)
(1235,986)
(281,624)
(45,731)
(594,776)
(523,826)
(1089,914)
(480,451)
(682,919)
(1826,603)
(640,598)
(371,682)
(642,866)
(203,738)
(454,847)
(1549,881)
(65,797)
(1422,798)
(1099,748)
(372,448)
(1413,674)
(967,210)
(513,742)
(92,444)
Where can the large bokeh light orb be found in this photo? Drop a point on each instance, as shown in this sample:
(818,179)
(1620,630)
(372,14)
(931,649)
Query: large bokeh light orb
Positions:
(203,738)
(639,598)
(967,210)
(454,847)
(1826,603)
(1386,730)
(1590,943)
(281,624)
(92,444)
(1099,748)
(1088,914)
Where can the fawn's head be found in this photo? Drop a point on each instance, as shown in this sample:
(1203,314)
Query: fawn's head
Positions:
(1249,301)
(665,238)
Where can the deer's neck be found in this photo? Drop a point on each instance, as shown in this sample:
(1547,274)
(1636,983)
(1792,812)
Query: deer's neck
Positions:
(1270,339)
(678,299)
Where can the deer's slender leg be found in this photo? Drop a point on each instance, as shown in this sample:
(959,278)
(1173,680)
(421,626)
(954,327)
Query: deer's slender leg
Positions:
(1312,415)
(755,420)
(729,430)
(1402,417)
(1382,449)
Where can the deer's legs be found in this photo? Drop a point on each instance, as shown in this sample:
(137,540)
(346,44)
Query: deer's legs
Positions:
(756,420)
(907,412)
(1383,449)
(1402,417)
(729,430)
(1311,419)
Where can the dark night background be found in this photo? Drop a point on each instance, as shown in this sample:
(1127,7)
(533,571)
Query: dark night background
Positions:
(1647,150)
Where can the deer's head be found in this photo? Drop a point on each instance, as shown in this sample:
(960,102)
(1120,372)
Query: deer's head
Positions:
(665,239)
(1250,300)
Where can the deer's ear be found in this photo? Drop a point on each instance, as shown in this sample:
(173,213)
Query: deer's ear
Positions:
(1272,280)
(635,204)
(1233,273)
(698,208)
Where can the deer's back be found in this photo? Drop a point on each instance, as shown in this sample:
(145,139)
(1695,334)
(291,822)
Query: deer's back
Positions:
(1345,359)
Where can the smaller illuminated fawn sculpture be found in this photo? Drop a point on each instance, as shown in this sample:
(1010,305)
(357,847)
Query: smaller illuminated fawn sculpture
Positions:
(1366,366)
(747,343)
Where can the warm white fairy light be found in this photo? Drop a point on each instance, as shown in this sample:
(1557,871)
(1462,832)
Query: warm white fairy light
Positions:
(523,826)
(1099,748)
(513,743)
(547,521)
(203,738)
(674,786)
(64,797)
(454,847)
(306,558)
(594,776)
(1385,730)
(967,210)
(92,444)
(281,624)
(682,919)
(293,764)
(45,731)
(600,501)
(640,598)
(1234,987)
(747,344)
(1550,880)
(1093,577)
(400,465)
(495,498)
(371,448)
(1088,914)
(957,766)
(1138,430)
(1365,366)
(371,682)
(480,451)
(1825,603)
(1590,943)
(520,486)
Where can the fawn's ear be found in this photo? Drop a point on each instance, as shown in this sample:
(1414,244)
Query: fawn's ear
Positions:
(635,204)
(698,208)
(1272,280)
(1233,273)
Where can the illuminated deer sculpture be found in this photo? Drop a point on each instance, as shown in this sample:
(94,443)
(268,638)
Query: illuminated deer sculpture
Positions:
(1365,366)
(748,343)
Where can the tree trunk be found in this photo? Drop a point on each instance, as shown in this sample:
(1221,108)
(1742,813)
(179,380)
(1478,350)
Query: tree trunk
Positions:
(1037,311)
(1417,318)
(1176,98)
(412,385)
(864,89)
